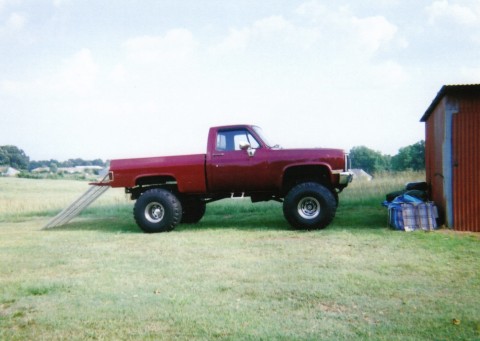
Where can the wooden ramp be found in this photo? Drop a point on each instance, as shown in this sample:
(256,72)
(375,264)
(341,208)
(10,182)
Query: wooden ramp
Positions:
(78,205)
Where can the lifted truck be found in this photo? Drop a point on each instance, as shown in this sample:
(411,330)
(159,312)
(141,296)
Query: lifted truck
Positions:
(239,162)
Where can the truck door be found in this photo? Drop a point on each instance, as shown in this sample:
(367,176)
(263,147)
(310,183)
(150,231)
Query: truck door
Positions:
(232,169)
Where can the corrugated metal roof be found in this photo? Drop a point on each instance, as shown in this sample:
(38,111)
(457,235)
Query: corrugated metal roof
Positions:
(450,90)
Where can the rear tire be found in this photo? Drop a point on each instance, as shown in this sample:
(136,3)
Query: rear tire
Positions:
(193,210)
(157,210)
(309,206)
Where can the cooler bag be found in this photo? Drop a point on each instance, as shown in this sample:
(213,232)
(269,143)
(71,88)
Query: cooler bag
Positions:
(412,216)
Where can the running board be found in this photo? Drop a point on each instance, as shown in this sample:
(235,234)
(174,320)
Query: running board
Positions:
(78,205)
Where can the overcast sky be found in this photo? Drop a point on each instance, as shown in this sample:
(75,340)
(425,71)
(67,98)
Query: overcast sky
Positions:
(109,79)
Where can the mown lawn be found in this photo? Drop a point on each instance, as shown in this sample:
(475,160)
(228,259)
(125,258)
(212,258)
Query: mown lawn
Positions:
(240,274)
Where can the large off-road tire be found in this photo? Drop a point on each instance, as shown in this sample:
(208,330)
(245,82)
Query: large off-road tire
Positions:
(193,210)
(157,210)
(309,205)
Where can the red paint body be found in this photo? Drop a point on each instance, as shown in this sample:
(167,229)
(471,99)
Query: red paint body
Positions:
(223,171)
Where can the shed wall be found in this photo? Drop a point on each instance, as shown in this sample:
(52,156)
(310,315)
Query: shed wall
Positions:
(466,164)
(435,136)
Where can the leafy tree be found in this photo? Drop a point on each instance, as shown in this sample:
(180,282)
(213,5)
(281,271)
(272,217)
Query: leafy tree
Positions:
(410,158)
(53,167)
(69,163)
(98,162)
(4,158)
(38,164)
(14,157)
(369,160)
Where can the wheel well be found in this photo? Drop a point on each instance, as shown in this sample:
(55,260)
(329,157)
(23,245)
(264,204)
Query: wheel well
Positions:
(154,180)
(298,174)
(150,182)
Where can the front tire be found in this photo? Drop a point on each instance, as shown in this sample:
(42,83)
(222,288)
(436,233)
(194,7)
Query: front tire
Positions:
(157,210)
(309,206)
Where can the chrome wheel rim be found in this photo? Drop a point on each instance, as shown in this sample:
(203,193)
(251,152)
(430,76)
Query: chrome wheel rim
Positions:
(308,208)
(154,212)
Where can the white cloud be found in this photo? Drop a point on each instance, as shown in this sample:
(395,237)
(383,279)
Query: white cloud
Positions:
(372,32)
(389,74)
(10,87)
(363,34)
(5,3)
(78,73)
(176,46)
(469,75)
(271,25)
(261,30)
(236,40)
(318,46)
(76,77)
(313,26)
(442,10)
(15,22)
(118,74)
(58,3)
(313,10)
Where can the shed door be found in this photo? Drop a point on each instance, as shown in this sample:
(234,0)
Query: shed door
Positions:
(466,167)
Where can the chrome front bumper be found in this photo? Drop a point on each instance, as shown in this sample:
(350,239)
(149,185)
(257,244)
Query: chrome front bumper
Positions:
(344,178)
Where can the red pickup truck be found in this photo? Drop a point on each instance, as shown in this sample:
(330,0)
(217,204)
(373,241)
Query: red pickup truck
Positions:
(239,162)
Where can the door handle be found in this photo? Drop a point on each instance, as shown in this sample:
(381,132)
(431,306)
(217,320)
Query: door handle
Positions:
(218,154)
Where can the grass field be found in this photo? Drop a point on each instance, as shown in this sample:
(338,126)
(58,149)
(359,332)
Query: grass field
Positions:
(240,274)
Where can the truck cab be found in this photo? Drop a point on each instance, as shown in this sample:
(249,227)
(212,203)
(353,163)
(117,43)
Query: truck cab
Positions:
(239,158)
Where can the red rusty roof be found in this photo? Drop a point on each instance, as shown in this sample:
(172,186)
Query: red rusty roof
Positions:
(450,90)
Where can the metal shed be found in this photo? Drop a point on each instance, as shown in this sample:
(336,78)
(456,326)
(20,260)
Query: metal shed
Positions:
(452,155)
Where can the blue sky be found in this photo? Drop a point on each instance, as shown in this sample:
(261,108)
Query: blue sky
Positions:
(110,79)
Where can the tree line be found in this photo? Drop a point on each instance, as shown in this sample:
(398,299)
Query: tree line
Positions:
(408,158)
(15,157)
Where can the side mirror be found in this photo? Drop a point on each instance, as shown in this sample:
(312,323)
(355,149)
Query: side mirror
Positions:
(246,146)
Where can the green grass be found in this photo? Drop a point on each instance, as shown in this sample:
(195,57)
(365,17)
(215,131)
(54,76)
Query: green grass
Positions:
(240,274)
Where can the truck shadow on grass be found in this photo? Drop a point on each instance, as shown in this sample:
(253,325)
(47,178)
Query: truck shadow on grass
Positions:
(360,217)
(253,218)
(117,225)
(120,220)
(238,222)
(224,216)
(241,215)
(270,217)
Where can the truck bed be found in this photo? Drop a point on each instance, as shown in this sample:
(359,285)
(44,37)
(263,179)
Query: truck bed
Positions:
(187,170)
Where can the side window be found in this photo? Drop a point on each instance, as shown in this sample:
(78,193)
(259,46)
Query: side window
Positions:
(243,137)
(221,141)
(230,140)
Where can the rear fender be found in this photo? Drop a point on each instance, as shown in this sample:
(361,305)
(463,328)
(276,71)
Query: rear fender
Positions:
(154,180)
(149,182)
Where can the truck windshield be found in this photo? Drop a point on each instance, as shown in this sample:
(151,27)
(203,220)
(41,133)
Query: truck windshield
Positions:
(260,133)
